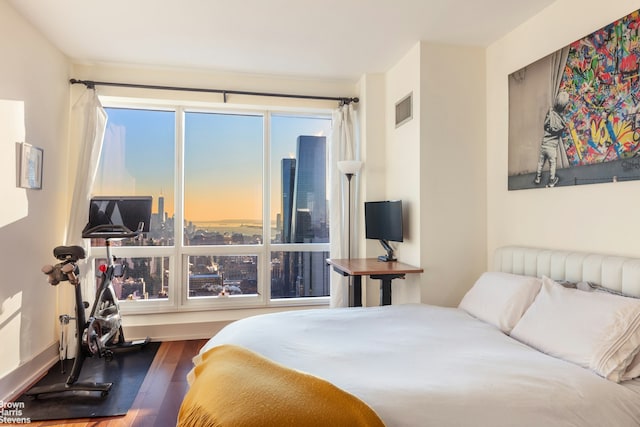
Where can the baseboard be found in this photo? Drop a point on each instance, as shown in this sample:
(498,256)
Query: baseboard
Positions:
(174,332)
(17,381)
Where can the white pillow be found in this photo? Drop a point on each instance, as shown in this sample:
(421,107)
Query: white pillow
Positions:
(633,370)
(595,330)
(500,298)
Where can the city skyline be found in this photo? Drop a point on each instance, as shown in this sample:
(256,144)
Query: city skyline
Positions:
(230,169)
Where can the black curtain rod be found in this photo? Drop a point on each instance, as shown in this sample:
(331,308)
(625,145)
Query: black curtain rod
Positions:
(92,84)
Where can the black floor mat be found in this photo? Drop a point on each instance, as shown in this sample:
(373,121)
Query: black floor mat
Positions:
(126,371)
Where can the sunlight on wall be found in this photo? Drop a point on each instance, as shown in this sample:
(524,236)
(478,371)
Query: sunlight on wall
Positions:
(12,131)
(10,317)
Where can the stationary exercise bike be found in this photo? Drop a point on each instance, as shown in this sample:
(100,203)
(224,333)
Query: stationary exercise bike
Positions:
(102,333)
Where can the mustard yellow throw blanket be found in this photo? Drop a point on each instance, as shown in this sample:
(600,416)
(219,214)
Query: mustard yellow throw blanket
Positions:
(235,387)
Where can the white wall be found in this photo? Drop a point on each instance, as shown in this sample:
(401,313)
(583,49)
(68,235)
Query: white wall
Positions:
(34,106)
(371,108)
(435,163)
(598,217)
(453,165)
(403,167)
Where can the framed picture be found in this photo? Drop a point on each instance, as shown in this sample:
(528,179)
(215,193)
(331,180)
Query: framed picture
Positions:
(574,115)
(30,166)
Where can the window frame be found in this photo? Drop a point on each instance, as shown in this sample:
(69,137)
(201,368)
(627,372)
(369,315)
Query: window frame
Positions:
(178,254)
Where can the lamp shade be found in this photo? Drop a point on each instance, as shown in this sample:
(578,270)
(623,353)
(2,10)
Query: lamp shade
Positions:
(349,166)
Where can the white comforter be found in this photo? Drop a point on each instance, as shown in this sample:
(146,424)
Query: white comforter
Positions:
(421,365)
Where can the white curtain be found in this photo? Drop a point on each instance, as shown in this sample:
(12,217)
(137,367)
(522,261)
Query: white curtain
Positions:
(88,121)
(87,124)
(345,145)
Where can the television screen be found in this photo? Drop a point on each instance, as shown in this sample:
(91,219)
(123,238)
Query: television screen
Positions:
(133,213)
(383,220)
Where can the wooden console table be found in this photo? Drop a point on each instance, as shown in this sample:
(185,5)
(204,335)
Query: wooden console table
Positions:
(384,271)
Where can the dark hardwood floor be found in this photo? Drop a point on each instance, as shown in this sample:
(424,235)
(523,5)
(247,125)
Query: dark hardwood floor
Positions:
(160,395)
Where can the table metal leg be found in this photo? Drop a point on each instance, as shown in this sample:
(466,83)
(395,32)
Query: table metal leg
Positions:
(355,291)
(385,294)
(385,286)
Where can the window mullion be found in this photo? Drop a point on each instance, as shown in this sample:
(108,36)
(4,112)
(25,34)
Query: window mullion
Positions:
(180,269)
(265,270)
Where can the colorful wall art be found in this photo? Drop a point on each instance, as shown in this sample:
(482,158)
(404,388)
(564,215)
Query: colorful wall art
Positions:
(573,115)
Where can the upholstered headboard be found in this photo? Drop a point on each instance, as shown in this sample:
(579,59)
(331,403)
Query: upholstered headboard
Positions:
(615,272)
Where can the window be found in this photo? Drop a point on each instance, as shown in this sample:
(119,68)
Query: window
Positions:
(240,214)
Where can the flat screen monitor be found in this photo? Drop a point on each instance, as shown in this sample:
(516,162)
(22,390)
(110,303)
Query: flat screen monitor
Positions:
(130,212)
(383,220)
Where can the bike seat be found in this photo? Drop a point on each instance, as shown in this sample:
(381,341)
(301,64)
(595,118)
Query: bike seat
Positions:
(70,253)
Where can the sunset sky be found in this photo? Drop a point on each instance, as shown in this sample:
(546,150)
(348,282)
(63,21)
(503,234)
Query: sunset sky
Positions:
(223,160)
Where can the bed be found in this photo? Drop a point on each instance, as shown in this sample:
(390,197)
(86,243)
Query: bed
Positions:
(546,337)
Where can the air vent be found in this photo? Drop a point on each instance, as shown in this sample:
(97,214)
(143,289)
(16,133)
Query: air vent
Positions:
(404,110)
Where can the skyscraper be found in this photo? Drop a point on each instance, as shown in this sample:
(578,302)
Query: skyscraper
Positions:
(304,211)
(309,218)
(288,185)
(161,208)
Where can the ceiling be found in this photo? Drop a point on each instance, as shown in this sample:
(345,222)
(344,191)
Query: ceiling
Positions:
(330,39)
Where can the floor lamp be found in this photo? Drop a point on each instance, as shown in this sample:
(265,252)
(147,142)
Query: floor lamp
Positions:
(349,168)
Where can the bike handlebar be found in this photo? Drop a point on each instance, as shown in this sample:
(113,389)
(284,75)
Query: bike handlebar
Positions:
(108,231)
